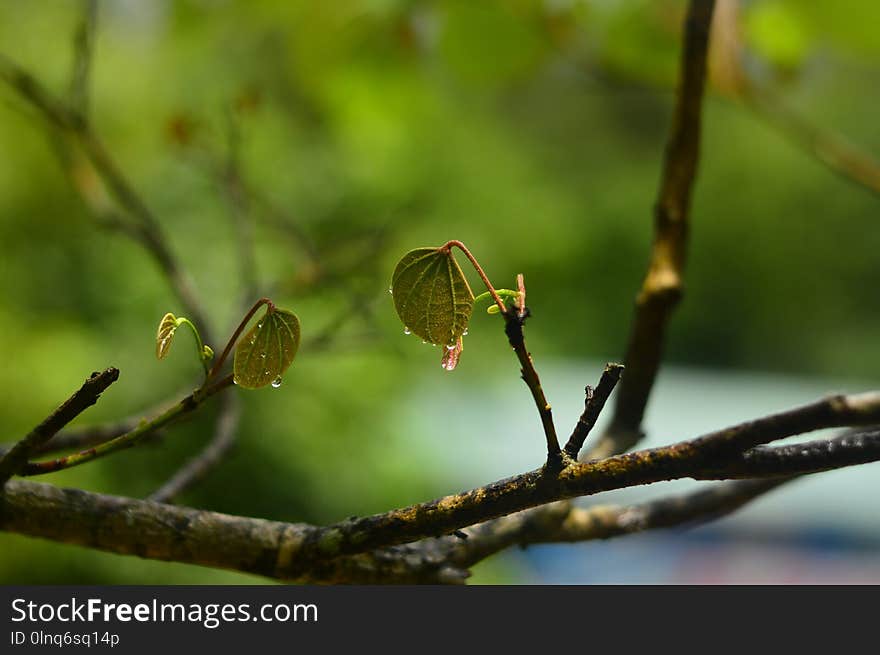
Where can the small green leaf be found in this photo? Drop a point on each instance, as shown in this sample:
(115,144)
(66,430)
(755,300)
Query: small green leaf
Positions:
(505,294)
(432,296)
(165,334)
(267,350)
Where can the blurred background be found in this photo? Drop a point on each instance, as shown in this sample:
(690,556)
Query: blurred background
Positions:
(533,131)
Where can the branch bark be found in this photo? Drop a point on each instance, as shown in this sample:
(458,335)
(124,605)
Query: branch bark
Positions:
(662,288)
(87,395)
(298,551)
(561,522)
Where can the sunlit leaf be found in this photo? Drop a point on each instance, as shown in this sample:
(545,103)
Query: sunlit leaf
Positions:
(165,334)
(267,350)
(432,296)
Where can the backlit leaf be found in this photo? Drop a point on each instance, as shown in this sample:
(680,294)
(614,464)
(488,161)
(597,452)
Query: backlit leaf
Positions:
(267,350)
(432,296)
(165,334)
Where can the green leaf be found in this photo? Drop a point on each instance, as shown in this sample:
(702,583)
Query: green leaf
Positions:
(267,350)
(432,296)
(165,334)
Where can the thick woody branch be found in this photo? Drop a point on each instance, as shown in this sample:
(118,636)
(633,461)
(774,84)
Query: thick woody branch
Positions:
(293,552)
(857,447)
(87,395)
(134,527)
(560,522)
(701,458)
(662,287)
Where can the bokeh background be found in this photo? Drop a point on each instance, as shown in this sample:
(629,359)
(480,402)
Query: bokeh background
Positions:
(532,130)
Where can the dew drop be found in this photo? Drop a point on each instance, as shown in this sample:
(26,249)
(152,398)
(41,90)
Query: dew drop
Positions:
(234,381)
(406,330)
(262,355)
(464,334)
(259,325)
(276,382)
(390,290)
(450,346)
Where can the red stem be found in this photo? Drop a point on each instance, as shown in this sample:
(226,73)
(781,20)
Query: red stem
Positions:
(231,343)
(467,253)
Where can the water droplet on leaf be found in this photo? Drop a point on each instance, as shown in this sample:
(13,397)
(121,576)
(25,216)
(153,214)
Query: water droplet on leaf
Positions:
(276,382)
(431,295)
(267,350)
(406,330)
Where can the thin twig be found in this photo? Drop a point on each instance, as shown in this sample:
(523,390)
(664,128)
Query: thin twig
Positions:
(737,80)
(513,327)
(90,435)
(83,43)
(198,467)
(132,438)
(479,269)
(87,395)
(662,287)
(595,402)
(218,363)
(837,154)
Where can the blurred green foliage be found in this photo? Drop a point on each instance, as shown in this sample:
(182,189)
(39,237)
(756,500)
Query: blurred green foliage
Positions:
(532,130)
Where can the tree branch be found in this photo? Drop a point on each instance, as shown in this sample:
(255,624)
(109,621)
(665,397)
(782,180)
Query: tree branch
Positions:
(83,47)
(87,395)
(306,553)
(143,430)
(839,156)
(712,456)
(662,287)
(514,320)
(596,399)
(560,522)
(197,468)
(701,458)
